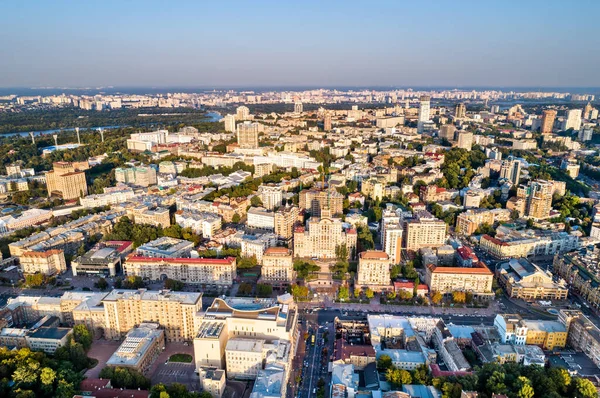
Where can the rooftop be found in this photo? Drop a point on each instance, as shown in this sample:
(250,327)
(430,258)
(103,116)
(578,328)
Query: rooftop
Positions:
(153,295)
(50,333)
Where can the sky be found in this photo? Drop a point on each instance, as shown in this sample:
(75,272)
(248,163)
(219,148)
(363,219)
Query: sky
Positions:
(460,43)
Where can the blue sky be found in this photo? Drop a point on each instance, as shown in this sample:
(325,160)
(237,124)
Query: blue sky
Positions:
(323,43)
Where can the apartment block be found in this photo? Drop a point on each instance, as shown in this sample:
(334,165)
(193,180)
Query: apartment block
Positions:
(468,222)
(141,176)
(277,266)
(206,271)
(314,201)
(49,262)
(477,280)
(424,230)
(175,312)
(66,181)
(271,195)
(373,270)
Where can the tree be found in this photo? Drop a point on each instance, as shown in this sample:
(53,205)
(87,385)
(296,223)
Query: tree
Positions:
(256,201)
(436,297)
(247,262)
(391,295)
(236,218)
(47,377)
(384,362)
(495,384)
(264,290)
(395,271)
(369,293)
(34,280)
(82,335)
(525,389)
(343,293)
(299,291)
(174,285)
(245,289)
(584,389)
(101,284)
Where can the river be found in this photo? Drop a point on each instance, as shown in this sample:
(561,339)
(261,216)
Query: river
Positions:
(211,116)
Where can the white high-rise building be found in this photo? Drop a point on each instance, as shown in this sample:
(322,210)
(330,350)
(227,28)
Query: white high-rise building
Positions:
(229,121)
(573,120)
(424,112)
(298,107)
(242,113)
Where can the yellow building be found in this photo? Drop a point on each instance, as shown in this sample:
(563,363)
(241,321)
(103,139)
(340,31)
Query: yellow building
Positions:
(66,181)
(476,280)
(212,381)
(424,231)
(176,312)
(373,270)
(468,222)
(546,334)
(322,237)
(277,266)
(315,200)
(49,262)
(523,279)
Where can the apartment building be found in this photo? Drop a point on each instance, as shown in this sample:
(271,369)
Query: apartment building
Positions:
(175,312)
(141,176)
(49,262)
(523,279)
(108,198)
(202,223)
(285,220)
(321,237)
(271,195)
(469,221)
(151,215)
(166,247)
(66,181)
(583,334)
(212,380)
(546,334)
(373,270)
(247,134)
(206,271)
(314,201)
(26,219)
(538,197)
(547,123)
(243,358)
(139,350)
(260,218)
(477,280)
(581,270)
(277,266)
(510,243)
(424,230)
(511,328)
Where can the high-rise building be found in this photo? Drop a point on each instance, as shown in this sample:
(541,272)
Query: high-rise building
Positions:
(271,195)
(587,111)
(538,197)
(465,140)
(142,176)
(585,134)
(468,222)
(176,312)
(327,122)
(298,107)
(511,170)
(285,219)
(424,230)
(242,113)
(67,181)
(424,112)
(572,120)
(447,132)
(315,200)
(321,237)
(229,121)
(494,109)
(548,116)
(461,111)
(373,270)
(247,135)
(277,267)
(392,241)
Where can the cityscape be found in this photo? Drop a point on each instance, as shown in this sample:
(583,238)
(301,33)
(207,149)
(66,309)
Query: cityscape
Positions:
(174,233)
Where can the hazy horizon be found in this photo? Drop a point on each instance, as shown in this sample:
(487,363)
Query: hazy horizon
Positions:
(545,44)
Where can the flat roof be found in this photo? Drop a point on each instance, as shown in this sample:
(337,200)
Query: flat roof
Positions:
(50,333)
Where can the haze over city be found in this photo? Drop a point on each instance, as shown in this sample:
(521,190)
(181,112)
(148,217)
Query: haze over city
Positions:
(272,43)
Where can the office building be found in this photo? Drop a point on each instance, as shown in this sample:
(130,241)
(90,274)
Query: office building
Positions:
(247,135)
(141,176)
(572,120)
(230,318)
(510,243)
(373,270)
(477,279)
(447,132)
(48,339)
(166,247)
(66,181)
(511,170)
(321,237)
(511,328)
(461,111)
(271,195)
(423,230)
(104,259)
(548,335)
(139,350)
(298,107)
(175,312)
(523,279)
(229,123)
(212,380)
(244,357)
(49,262)
(206,271)
(277,266)
(547,123)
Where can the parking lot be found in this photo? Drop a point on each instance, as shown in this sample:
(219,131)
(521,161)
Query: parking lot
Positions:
(177,372)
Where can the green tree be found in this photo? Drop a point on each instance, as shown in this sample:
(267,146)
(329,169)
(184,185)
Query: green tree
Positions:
(174,285)
(256,201)
(101,284)
(525,389)
(83,336)
(343,293)
(236,218)
(583,388)
(369,293)
(384,362)
(264,290)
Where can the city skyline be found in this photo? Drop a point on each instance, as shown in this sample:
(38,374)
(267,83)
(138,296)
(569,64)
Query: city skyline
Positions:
(269,44)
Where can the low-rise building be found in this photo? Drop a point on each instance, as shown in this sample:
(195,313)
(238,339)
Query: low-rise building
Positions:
(49,262)
(522,279)
(166,247)
(277,266)
(139,350)
(201,223)
(48,339)
(212,380)
(546,334)
(477,280)
(104,259)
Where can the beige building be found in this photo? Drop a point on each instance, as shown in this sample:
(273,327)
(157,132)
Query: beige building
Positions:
(176,312)
(373,270)
(49,262)
(139,350)
(271,196)
(465,140)
(66,181)
(212,381)
(247,135)
(538,198)
(424,231)
(230,318)
(142,176)
(158,216)
(285,220)
(209,271)
(244,357)
(477,280)
(321,237)
(548,117)
(468,222)
(525,280)
(277,266)
(314,201)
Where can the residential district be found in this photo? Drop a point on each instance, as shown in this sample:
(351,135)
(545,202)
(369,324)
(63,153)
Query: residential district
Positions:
(400,244)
